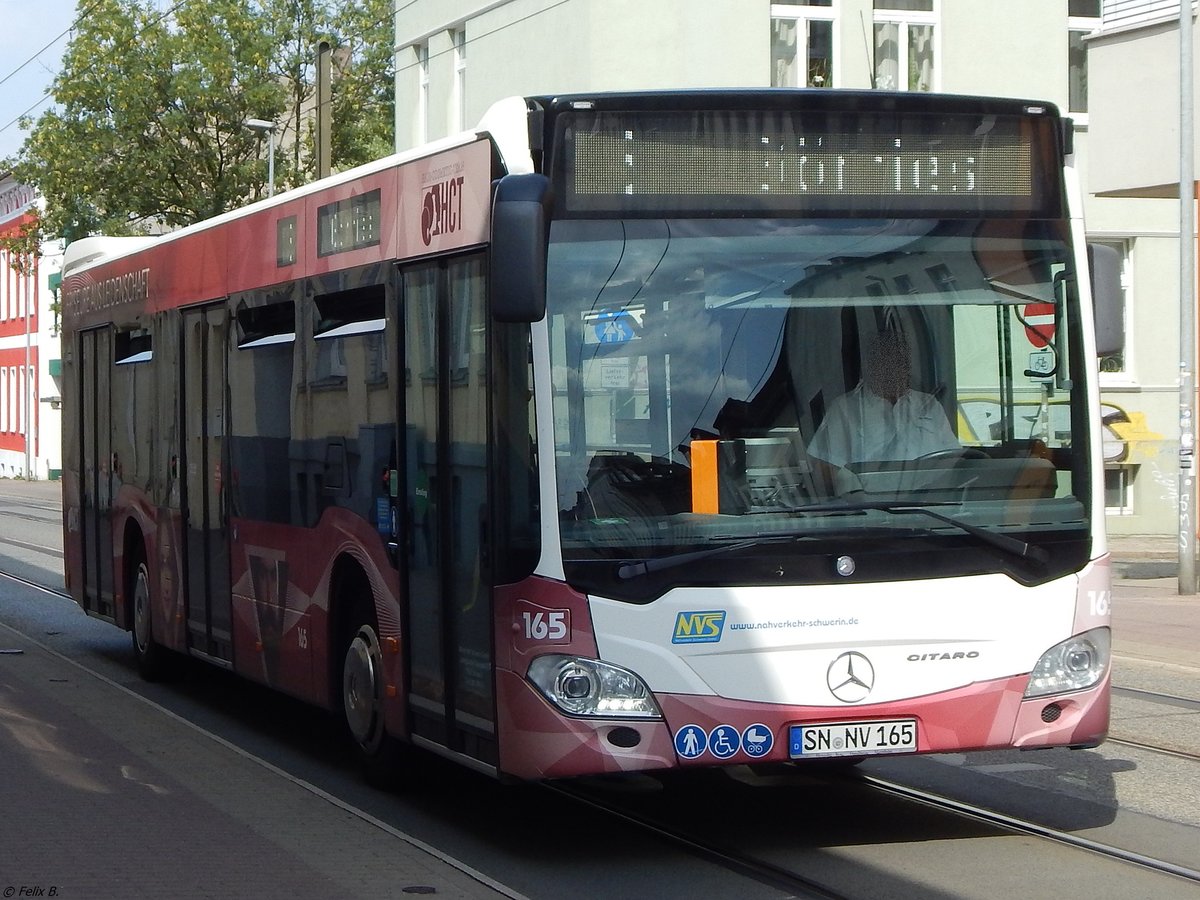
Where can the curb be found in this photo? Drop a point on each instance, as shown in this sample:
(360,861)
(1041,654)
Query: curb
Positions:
(1136,569)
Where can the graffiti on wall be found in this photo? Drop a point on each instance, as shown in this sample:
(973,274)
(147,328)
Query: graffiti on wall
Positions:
(1127,438)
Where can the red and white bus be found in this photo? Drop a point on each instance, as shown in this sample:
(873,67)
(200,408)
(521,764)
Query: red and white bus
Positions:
(507,446)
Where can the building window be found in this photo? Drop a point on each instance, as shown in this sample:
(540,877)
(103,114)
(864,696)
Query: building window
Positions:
(14,401)
(5,277)
(943,279)
(1083,17)
(459,118)
(1118,491)
(1115,367)
(904,45)
(422,123)
(802,45)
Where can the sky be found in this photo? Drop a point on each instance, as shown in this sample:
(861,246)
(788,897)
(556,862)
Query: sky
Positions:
(26,28)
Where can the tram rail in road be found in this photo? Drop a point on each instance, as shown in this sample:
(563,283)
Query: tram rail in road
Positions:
(991,817)
(836,882)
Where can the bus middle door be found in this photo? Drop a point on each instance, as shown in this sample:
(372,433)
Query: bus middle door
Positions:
(203,413)
(95,470)
(443,510)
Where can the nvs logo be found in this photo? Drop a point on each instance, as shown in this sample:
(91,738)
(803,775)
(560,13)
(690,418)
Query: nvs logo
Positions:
(441,211)
(699,627)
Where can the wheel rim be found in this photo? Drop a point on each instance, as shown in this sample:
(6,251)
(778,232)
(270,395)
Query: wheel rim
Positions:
(362,689)
(141,608)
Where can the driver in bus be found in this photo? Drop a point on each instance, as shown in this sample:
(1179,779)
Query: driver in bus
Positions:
(883,418)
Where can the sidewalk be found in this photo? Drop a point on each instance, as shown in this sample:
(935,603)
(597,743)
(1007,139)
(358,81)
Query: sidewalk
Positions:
(1144,556)
(105,796)
(1151,620)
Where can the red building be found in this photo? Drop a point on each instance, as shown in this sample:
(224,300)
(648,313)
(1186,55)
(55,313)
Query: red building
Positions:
(23,304)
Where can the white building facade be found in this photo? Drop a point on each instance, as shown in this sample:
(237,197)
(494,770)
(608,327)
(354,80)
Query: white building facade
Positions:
(456,57)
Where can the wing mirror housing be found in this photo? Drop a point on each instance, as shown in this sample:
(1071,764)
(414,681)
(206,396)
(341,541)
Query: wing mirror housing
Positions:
(521,210)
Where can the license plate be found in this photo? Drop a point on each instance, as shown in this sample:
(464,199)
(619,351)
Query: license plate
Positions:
(852,738)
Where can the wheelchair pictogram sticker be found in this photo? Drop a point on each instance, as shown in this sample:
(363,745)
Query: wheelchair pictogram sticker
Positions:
(723,741)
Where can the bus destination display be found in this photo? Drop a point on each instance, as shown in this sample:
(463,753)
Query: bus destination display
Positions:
(626,162)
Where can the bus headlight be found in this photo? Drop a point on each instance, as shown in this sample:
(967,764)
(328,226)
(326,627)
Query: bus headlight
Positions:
(588,687)
(1073,665)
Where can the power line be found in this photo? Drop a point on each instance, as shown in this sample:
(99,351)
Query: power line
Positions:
(83,15)
(50,92)
(47,95)
(478,37)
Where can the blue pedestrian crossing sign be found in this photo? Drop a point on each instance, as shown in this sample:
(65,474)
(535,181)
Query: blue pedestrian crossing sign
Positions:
(614,326)
(691,741)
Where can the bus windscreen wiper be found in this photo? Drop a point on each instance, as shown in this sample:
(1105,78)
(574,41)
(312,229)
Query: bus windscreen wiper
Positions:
(1004,542)
(657,564)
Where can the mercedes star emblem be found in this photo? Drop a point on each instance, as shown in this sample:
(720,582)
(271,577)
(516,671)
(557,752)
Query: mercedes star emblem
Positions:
(850,677)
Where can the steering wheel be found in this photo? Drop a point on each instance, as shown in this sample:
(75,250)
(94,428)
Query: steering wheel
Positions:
(953,453)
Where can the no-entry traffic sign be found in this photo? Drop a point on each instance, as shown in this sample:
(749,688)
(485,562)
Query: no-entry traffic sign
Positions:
(1039,323)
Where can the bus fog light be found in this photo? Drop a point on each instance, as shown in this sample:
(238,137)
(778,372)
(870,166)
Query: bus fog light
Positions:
(1073,665)
(588,687)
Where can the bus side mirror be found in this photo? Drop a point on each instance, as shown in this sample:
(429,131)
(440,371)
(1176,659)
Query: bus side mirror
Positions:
(520,234)
(1104,264)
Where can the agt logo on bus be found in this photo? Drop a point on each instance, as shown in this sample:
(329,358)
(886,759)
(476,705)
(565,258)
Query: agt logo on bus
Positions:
(699,627)
(442,208)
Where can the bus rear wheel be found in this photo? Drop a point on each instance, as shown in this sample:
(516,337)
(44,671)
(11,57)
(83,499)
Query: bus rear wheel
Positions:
(151,657)
(363,687)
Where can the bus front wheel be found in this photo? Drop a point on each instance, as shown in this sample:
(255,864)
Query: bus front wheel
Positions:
(151,657)
(363,687)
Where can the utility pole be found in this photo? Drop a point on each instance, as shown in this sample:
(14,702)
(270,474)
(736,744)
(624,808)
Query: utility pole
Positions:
(1187,310)
(324,108)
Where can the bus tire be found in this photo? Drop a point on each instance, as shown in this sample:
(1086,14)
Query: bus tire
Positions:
(152,658)
(362,702)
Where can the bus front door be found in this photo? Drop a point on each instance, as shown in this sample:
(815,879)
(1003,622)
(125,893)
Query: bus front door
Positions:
(445,439)
(203,413)
(96,470)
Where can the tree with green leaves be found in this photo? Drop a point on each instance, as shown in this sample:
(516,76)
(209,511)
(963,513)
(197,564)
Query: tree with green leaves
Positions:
(296,27)
(148,126)
(364,82)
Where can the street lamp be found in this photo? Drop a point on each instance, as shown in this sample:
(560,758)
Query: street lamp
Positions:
(269,128)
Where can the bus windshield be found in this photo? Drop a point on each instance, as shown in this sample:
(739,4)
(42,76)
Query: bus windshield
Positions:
(719,380)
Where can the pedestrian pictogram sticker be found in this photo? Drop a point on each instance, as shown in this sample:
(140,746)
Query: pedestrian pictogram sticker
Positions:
(691,741)
(1039,323)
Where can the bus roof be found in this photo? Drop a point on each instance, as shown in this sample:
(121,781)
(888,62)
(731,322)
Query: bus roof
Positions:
(504,124)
